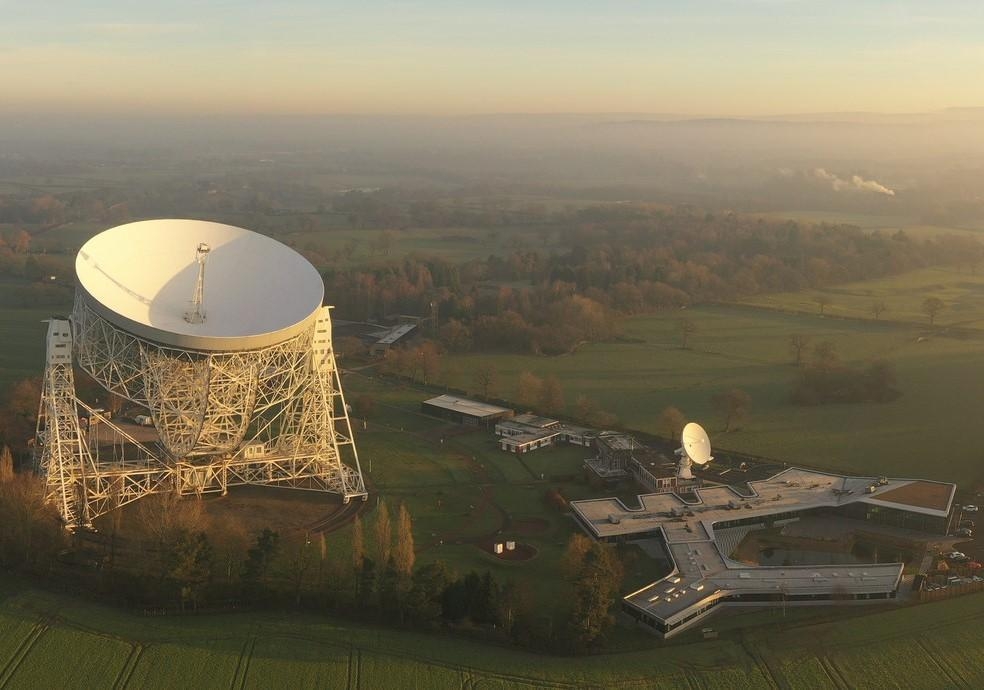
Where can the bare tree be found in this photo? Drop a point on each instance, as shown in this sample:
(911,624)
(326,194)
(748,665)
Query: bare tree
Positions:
(825,355)
(823,301)
(160,517)
(349,346)
(687,330)
(797,347)
(486,379)
(931,307)
(29,529)
(552,396)
(529,390)
(733,403)
(671,420)
(878,308)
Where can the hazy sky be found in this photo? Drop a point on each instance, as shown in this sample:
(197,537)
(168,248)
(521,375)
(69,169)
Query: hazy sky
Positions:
(711,57)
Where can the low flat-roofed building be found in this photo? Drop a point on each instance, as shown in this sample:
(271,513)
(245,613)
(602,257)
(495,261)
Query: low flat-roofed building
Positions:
(577,435)
(535,421)
(615,450)
(524,443)
(463,410)
(526,432)
(397,334)
(704,576)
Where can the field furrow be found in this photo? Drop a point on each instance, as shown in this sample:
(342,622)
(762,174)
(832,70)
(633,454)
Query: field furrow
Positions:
(67,658)
(295,663)
(205,663)
(20,652)
(123,679)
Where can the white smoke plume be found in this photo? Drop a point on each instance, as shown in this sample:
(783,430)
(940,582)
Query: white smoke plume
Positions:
(856,182)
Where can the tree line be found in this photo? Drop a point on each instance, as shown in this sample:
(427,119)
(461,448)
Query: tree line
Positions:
(626,260)
(172,555)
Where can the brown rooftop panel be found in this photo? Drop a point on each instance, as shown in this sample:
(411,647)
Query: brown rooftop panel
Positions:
(919,494)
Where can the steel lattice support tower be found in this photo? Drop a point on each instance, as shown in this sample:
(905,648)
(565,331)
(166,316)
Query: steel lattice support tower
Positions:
(301,434)
(254,399)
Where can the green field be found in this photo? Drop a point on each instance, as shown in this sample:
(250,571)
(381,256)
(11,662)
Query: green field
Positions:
(932,430)
(871,222)
(51,641)
(463,492)
(961,291)
(21,344)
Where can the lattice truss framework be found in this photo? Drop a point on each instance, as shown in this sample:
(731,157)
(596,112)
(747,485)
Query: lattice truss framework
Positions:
(274,415)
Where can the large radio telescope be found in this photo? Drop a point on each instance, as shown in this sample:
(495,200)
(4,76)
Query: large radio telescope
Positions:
(219,333)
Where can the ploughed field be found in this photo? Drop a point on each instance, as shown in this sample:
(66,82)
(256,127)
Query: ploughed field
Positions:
(51,641)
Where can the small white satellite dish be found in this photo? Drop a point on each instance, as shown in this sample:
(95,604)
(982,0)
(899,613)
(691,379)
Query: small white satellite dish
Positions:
(695,449)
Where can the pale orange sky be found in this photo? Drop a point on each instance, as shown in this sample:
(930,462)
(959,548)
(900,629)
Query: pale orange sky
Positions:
(717,57)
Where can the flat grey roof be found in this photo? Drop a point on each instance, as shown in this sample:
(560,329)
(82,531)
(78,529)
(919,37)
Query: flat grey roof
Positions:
(534,420)
(706,574)
(395,333)
(619,441)
(789,490)
(473,408)
(522,439)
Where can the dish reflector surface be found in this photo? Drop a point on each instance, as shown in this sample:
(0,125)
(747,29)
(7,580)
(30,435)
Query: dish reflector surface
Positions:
(696,444)
(141,277)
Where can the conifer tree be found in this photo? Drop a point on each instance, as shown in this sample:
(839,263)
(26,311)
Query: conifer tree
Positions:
(384,535)
(6,465)
(358,546)
(403,551)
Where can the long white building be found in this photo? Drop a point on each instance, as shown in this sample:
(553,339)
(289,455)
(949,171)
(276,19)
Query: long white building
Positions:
(698,537)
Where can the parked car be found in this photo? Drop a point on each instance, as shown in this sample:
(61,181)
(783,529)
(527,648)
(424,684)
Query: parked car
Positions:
(964,532)
(956,556)
(970,509)
(967,523)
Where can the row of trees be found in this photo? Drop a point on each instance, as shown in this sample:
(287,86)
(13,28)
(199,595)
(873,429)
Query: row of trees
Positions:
(931,307)
(30,536)
(172,553)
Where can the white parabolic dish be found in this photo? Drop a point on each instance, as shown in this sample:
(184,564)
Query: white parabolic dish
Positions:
(696,444)
(141,277)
